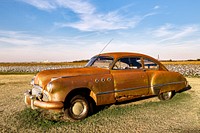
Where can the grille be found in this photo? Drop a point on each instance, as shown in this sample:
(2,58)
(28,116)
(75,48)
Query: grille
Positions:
(40,94)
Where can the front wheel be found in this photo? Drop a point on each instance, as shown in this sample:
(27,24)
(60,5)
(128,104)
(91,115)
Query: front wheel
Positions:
(166,95)
(77,108)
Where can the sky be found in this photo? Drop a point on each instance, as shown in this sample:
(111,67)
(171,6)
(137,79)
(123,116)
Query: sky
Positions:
(68,30)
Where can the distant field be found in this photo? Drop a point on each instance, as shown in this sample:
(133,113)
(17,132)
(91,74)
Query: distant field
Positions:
(187,68)
(42,63)
(181,62)
(82,63)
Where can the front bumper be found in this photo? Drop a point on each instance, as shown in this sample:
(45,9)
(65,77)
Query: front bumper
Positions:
(35,103)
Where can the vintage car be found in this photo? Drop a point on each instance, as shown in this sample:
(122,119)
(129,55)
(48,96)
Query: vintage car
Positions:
(106,79)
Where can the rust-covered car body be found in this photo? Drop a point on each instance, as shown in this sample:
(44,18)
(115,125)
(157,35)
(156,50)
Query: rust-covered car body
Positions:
(106,79)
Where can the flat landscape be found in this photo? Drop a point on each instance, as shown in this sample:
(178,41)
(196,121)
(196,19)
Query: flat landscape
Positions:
(187,68)
(181,114)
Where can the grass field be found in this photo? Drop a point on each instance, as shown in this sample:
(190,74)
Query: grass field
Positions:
(82,63)
(42,63)
(181,114)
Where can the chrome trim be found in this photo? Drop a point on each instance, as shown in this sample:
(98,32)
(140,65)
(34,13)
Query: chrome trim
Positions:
(32,97)
(108,79)
(160,85)
(136,88)
(127,89)
(103,80)
(96,80)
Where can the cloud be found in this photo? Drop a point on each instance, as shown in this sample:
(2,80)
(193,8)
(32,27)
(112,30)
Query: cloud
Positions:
(77,6)
(42,4)
(156,7)
(18,38)
(169,32)
(89,18)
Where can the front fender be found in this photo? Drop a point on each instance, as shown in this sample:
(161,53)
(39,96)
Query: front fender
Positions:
(97,84)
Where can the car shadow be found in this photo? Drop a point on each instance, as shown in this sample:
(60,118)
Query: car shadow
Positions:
(103,107)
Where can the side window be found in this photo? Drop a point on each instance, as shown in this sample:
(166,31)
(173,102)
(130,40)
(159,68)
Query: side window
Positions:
(128,63)
(122,63)
(148,64)
(135,63)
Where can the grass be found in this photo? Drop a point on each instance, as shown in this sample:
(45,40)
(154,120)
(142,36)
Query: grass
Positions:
(180,114)
(44,120)
(82,63)
(41,63)
(29,118)
(17,73)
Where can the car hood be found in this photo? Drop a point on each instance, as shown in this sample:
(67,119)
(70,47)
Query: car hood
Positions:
(44,77)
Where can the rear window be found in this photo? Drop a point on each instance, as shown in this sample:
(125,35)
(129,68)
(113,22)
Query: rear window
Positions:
(149,64)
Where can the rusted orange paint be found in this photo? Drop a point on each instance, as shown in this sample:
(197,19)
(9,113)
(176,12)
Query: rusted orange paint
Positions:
(108,85)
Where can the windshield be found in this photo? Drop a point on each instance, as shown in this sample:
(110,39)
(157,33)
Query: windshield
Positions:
(100,61)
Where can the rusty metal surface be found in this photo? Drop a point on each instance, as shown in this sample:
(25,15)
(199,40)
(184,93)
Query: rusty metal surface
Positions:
(107,85)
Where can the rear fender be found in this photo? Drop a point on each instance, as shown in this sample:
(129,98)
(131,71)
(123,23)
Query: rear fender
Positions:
(165,81)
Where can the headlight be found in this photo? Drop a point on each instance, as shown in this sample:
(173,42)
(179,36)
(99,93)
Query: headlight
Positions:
(49,87)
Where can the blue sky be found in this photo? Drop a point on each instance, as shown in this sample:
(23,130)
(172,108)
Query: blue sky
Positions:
(67,30)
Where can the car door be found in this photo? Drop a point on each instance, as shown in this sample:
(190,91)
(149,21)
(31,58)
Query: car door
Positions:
(130,79)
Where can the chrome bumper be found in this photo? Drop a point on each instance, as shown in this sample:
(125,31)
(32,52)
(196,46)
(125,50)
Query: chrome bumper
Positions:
(34,103)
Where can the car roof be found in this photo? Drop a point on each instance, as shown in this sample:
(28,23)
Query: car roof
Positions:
(117,55)
(124,54)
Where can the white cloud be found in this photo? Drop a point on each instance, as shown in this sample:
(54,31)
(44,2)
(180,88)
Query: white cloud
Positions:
(89,18)
(102,22)
(27,47)
(18,38)
(156,7)
(42,4)
(169,32)
(78,6)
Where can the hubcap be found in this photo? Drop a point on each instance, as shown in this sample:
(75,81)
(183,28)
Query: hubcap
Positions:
(167,95)
(78,108)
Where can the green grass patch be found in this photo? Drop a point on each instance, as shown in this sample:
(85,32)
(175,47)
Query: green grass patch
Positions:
(42,119)
(117,111)
(29,118)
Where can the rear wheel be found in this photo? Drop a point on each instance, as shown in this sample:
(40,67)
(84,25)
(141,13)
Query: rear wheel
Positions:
(77,108)
(166,95)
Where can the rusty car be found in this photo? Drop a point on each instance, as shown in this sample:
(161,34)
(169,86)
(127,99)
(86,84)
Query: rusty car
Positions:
(106,79)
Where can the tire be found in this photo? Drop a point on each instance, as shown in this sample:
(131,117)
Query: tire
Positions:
(166,95)
(77,108)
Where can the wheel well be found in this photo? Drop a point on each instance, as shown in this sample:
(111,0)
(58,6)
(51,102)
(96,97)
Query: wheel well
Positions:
(79,91)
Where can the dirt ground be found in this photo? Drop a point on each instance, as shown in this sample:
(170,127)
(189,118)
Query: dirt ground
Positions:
(179,116)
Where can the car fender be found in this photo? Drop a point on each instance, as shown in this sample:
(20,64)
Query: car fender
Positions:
(97,84)
(165,81)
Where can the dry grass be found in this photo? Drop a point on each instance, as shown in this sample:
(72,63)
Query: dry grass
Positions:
(43,63)
(180,114)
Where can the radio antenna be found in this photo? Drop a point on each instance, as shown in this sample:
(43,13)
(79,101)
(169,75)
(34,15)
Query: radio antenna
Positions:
(105,46)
